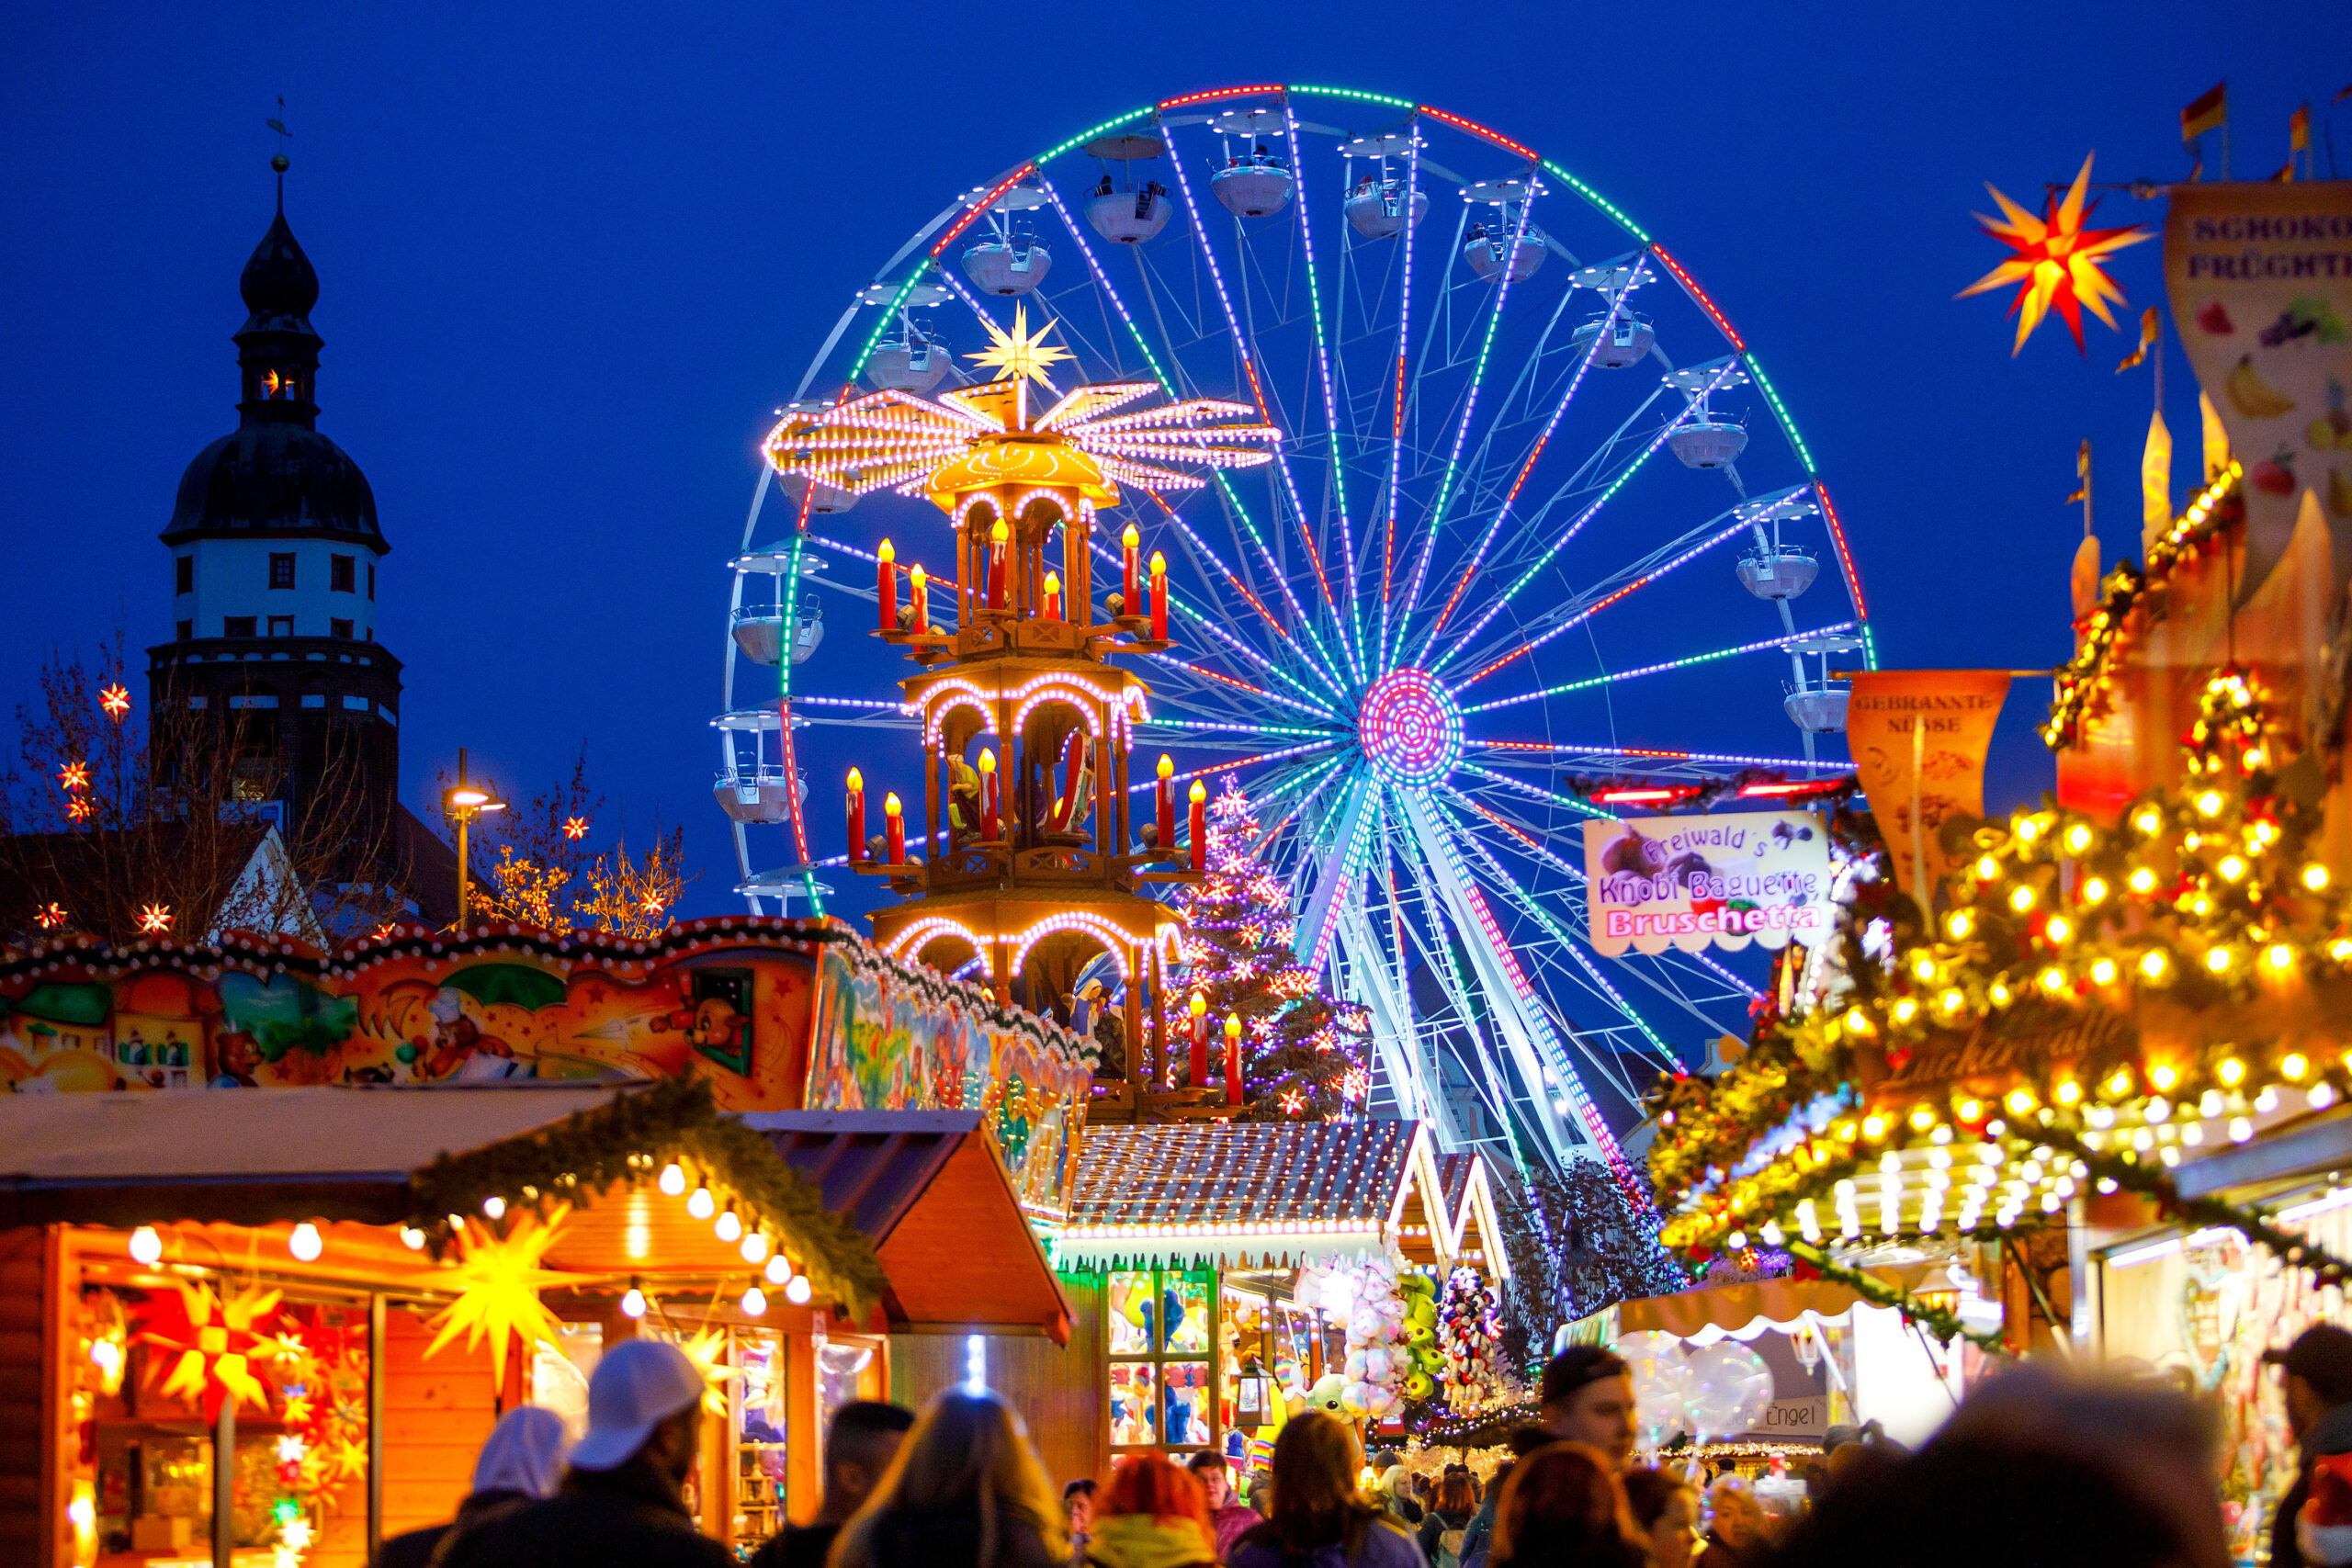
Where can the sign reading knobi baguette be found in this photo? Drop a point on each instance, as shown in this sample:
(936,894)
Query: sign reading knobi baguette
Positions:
(1698,882)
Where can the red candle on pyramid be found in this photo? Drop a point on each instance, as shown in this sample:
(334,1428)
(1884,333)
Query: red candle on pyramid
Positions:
(885,582)
(918,601)
(1233,1059)
(999,535)
(1052,596)
(1130,543)
(1200,825)
(988,796)
(893,831)
(1163,806)
(857,815)
(1200,1042)
(1158,597)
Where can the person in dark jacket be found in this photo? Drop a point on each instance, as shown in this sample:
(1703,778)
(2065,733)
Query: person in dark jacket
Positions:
(520,1462)
(1445,1530)
(1565,1507)
(1320,1520)
(621,1504)
(2316,1372)
(965,1492)
(859,1446)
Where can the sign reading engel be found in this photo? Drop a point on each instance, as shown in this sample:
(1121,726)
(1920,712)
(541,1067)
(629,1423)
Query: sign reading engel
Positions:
(1697,882)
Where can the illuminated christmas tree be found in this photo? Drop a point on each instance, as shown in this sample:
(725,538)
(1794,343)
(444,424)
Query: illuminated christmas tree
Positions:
(1304,1055)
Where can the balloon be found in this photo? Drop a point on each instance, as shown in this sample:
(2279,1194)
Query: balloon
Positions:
(1661,1380)
(1730,1389)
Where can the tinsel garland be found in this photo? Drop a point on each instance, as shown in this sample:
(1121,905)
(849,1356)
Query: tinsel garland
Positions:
(1943,1324)
(2148,1180)
(627,1142)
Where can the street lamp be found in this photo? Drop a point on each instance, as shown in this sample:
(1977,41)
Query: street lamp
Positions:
(464,801)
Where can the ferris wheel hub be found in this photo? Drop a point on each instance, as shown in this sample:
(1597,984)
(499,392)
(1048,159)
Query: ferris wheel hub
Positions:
(1410,727)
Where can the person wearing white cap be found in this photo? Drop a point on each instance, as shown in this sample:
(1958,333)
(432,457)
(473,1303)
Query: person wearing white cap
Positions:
(520,1462)
(621,1503)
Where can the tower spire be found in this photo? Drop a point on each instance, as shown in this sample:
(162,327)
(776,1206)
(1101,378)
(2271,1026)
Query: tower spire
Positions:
(278,160)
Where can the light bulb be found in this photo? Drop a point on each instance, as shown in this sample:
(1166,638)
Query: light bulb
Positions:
(702,1205)
(730,1227)
(755,1302)
(673,1179)
(755,1246)
(413,1238)
(797,1292)
(495,1206)
(305,1242)
(633,1302)
(778,1271)
(146,1246)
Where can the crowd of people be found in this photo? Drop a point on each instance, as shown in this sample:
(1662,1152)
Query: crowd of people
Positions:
(2035,1467)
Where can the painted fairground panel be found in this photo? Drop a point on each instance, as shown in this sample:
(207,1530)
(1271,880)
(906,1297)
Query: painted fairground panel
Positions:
(737,1016)
(888,1038)
(2201,1313)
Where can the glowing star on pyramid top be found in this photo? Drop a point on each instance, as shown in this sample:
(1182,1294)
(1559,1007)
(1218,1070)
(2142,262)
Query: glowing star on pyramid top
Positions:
(977,437)
(2056,261)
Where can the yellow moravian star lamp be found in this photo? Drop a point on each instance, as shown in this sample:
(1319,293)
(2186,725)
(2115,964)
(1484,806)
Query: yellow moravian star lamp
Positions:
(2056,261)
(498,1279)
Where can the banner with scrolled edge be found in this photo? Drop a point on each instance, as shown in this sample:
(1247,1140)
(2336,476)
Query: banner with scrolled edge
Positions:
(1919,739)
(2260,280)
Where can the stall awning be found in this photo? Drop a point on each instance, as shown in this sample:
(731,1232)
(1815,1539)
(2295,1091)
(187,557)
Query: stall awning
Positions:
(927,1189)
(252,1155)
(1743,1311)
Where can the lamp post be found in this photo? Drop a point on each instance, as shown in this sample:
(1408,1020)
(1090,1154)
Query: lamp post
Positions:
(464,801)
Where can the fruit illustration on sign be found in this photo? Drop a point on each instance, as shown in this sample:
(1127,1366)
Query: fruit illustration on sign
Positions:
(2274,476)
(2215,319)
(2308,317)
(2332,428)
(2339,494)
(2251,395)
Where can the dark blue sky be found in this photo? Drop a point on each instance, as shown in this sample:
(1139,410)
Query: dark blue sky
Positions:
(572,256)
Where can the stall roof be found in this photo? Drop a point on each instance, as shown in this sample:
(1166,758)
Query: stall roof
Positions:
(1260,1194)
(250,1156)
(929,1191)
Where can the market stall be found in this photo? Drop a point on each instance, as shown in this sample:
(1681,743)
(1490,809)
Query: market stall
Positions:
(1242,1271)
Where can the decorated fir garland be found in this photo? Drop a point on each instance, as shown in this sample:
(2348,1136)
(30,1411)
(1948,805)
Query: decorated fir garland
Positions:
(627,1142)
(2153,1182)
(1945,1325)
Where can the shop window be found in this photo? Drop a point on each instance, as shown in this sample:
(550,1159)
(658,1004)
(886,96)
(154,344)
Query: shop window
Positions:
(184,574)
(281,625)
(236,625)
(339,629)
(281,568)
(340,573)
(1163,1384)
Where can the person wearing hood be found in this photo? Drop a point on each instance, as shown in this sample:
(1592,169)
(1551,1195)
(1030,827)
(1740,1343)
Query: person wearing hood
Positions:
(622,1504)
(521,1462)
(965,1492)
(1155,1516)
(1228,1515)
(2316,1375)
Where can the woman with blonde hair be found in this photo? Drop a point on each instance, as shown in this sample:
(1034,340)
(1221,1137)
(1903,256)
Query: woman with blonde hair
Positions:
(963,1492)
(1320,1520)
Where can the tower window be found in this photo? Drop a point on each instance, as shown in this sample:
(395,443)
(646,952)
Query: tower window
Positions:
(282,569)
(183,575)
(340,574)
(371,580)
(236,625)
(281,625)
(340,629)
(187,631)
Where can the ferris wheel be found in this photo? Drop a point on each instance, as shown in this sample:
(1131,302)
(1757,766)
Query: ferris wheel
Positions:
(1538,517)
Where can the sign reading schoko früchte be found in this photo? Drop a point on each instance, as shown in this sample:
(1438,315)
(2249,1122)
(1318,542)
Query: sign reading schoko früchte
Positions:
(1697,882)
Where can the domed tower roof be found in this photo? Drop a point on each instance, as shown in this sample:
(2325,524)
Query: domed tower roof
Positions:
(275,474)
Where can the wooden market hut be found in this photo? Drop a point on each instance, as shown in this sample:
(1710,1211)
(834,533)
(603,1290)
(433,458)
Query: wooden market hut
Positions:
(339,1199)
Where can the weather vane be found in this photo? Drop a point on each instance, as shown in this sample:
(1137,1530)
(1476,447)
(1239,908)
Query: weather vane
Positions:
(278,160)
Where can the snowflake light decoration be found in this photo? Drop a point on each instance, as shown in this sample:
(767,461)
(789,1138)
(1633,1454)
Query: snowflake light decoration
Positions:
(155,919)
(80,809)
(576,827)
(50,916)
(116,700)
(74,777)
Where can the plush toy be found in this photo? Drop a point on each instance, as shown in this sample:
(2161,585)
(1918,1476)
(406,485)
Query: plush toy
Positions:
(1469,1335)
(1326,1395)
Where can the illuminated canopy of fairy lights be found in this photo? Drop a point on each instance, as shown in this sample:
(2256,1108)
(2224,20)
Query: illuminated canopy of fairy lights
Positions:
(1433,557)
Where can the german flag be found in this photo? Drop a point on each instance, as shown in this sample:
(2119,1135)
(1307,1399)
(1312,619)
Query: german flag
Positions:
(2207,113)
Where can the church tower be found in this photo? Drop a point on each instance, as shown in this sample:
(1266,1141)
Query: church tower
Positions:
(276,563)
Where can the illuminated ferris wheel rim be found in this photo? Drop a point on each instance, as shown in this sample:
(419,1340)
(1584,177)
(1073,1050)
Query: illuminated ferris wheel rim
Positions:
(1399,717)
